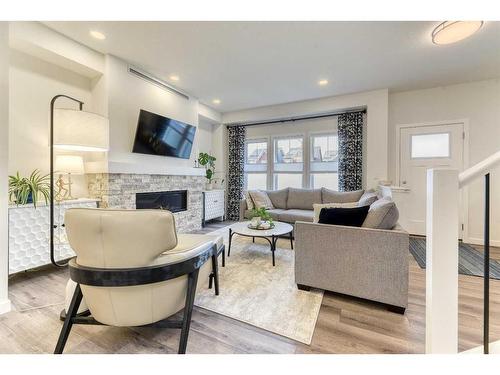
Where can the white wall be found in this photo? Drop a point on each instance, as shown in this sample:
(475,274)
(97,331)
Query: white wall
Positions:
(33,83)
(127,95)
(4,154)
(477,102)
(375,147)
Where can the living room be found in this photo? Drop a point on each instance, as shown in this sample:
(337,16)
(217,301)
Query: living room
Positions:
(202,188)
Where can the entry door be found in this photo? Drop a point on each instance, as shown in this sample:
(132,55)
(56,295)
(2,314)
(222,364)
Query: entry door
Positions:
(421,148)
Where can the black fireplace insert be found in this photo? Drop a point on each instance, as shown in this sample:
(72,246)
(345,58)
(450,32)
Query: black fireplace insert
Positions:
(174,200)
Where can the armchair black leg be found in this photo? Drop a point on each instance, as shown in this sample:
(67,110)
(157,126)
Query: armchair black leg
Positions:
(303,287)
(188,310)
(68,322)
(224,257)
(215,273)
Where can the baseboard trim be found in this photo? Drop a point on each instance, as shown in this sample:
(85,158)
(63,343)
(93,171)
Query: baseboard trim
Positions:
(5,306)
(480,241)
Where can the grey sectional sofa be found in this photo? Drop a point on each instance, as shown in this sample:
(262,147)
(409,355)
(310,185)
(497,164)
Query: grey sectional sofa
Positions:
(291,205)
(364,262)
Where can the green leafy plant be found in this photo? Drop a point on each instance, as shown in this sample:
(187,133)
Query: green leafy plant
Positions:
(208,161)
(24,189)
(262,213)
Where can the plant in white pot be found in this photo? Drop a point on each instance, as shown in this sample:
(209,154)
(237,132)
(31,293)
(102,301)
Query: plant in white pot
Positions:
(208,161)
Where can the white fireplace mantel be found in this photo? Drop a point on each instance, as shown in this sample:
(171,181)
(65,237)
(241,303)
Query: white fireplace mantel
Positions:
(144,168)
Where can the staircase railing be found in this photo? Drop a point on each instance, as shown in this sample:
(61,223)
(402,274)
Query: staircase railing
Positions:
(442,253)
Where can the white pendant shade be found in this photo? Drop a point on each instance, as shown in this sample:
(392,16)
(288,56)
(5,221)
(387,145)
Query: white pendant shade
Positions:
(453,31)
(80,130)
(69,164)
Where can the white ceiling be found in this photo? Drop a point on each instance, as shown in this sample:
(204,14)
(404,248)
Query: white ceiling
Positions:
(252,64)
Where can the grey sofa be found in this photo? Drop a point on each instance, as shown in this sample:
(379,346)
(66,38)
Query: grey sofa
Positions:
(358,261)
(361,262)
(291,205)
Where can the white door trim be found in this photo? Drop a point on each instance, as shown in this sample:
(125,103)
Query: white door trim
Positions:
(465,191)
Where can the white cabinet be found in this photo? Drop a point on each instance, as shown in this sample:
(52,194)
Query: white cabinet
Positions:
(29,234)
(213,205)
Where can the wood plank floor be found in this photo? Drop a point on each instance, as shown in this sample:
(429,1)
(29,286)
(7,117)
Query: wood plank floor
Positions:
(345,325)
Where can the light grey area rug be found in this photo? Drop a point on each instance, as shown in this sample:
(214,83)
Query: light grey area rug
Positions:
(255,292)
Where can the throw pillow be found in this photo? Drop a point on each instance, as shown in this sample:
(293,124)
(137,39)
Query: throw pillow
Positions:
(352,217)
(383,214)
(367,198)
(278,197)
(318,206)
(332,196)
(248,198)
(261,199)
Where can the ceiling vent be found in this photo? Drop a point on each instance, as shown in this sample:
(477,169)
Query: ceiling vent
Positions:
(155,81)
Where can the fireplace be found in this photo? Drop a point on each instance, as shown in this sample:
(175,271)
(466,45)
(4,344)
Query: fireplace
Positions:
(174,200)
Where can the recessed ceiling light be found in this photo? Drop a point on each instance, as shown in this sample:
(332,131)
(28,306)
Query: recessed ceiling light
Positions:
(323,82)
(98,35)
(216,101)
(173,77)
(452,31)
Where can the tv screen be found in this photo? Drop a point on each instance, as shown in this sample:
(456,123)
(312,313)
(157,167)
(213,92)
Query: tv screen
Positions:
(158,135)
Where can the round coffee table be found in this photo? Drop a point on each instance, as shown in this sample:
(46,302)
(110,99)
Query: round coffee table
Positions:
(271,235)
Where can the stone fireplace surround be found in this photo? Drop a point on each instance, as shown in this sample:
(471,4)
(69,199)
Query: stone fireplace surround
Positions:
(118,190)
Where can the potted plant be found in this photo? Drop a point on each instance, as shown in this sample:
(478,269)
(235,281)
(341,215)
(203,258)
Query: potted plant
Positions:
(24,190)
(260,215)
(208,161)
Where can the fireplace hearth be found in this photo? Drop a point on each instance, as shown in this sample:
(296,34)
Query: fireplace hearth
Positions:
(174,200)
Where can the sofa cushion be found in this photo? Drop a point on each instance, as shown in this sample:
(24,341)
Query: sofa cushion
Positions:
(368,198)
(293,215)
(275,213)
(303,199)
(383,214)
(278,197)
(248,199)
(332,196)
(318,206)
(261,199)
(351,217)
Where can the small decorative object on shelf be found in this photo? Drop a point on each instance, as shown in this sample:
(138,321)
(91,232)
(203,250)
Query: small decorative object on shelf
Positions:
(24,190)
(262,225)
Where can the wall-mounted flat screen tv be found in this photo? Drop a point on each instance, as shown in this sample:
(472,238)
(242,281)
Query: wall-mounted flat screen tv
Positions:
(158,135)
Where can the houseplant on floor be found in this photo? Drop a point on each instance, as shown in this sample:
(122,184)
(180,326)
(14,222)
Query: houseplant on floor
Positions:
(24,190)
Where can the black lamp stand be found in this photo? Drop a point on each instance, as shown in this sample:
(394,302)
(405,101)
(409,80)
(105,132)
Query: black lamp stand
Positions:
(52,224)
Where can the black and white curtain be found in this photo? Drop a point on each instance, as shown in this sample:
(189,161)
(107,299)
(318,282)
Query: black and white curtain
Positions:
(350,133)
(236,163)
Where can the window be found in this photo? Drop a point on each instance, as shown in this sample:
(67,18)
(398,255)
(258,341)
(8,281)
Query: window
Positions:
(324,161)
(435,145)
(288,162)
(256,164)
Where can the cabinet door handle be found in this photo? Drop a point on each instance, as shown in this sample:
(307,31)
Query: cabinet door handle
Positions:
(215,201)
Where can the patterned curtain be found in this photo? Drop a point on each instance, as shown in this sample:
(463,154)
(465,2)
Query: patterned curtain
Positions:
(236,163)
(350,133)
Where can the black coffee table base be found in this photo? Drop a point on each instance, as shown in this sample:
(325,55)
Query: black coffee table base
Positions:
(272,241)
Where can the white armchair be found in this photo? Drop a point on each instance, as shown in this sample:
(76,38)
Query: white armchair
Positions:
(133,269)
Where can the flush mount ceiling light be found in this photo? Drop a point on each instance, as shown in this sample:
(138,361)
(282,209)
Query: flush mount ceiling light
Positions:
(453,31)
(323,82)
(174,77)
(97,34)
(216,101)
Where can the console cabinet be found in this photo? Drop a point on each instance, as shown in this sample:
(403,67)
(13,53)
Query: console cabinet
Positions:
(29,234)
(213,205)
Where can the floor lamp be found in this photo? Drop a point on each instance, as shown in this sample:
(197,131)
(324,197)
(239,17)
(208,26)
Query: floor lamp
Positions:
(75,130)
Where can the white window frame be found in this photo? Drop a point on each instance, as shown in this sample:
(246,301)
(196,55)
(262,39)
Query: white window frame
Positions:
(245,173)
(305,150)
(311,136)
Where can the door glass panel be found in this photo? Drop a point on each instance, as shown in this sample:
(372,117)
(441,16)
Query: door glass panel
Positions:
(430,145)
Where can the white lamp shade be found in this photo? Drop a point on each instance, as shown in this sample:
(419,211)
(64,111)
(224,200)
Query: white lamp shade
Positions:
(80,130)
(69,164)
